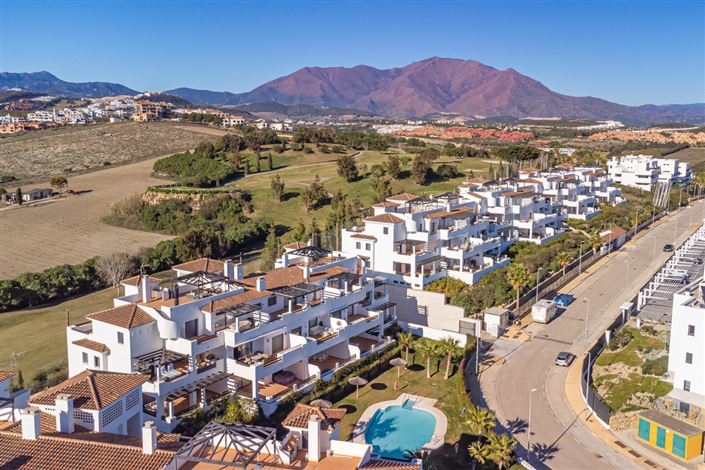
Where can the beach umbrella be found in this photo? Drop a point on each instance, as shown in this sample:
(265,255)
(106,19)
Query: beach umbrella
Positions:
(321,403)
(398,362)
(357,382)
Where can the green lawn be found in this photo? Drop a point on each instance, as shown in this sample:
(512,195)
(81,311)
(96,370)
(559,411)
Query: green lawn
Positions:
(297,177)
(629,354)
(39,334)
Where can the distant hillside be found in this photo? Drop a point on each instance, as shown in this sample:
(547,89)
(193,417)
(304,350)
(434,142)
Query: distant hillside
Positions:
(155,97)
(205,97)
(45,82)
(299,110)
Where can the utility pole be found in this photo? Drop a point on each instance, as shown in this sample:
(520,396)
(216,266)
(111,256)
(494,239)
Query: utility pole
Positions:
(528,438)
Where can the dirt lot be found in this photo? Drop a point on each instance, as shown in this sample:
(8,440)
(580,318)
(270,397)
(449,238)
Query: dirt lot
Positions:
(69,230)
(72,150)
(691,155)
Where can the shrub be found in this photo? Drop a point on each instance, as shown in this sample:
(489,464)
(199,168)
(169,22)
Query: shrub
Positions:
(657,367)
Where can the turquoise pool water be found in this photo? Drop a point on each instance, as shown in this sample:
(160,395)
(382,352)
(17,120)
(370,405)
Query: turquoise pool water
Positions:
(399,428)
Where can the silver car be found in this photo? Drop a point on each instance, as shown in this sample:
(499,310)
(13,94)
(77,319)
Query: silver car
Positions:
(564,359)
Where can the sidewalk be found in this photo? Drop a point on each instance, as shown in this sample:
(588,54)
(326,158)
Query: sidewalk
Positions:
(652,460)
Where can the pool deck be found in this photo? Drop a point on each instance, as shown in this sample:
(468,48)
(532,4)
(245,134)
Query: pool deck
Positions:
(421,403)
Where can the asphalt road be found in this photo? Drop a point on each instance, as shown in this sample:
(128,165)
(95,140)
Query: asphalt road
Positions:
(558,440)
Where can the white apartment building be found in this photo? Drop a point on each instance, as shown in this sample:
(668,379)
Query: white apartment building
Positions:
(686,357)
(414,240)
(213,331)
(644,171)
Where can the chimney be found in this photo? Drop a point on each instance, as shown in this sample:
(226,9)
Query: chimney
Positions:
(31,423)
(149,438)
(176,294)
(239,272)
(64,416)
(261,285)
(314,438)
(307,272)
(228,269)
(285,260)
(146,288)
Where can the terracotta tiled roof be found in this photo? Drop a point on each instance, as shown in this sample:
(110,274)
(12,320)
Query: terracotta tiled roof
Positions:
(479,196)
(203,264)
(300,415)
(124,316)
(47,426)
(405,197)
(531,180)
(385,218)
(94,345)
(565,166)
(66,452)
(291,276)
(524,192)
(91,389)
(135,280)
(6,374)
(217,305)
(528,170)
(295,245)
(363,236)
(386,204)
(390,465)
(612,233)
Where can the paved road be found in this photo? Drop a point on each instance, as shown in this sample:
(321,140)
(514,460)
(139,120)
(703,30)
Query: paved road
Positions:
(558,439)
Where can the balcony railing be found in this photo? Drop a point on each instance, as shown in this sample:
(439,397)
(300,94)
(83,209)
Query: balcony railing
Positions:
(206,367)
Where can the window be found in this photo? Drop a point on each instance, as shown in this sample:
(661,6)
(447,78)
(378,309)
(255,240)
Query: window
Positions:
(358,245)
(121,338)
(691,330)
(385,230)
(367,263)
(423,310)
(368,247)
(271,301)
(686,385)
(85,357)
(312,322)
(96,361)
(688,358)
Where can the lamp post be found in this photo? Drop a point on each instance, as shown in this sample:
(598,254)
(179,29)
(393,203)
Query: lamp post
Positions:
(626,276)
(587,389)
(528,438)
(636,221)
(587,317)
(538,276)
(580,259)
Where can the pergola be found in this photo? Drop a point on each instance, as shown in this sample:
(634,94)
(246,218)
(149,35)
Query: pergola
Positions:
(424,203)
(296,291)
(241,444)
(203,281)
(157,358)
(339,280)
(313,252)
(210,380)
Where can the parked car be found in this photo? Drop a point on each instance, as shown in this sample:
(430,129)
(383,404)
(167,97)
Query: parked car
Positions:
(563,300)
(668,248)
(564,359)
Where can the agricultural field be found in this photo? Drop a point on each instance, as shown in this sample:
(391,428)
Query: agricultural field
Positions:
(69,230)
(71,150)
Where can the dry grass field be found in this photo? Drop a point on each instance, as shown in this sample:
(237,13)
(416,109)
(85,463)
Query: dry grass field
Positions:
(69,230)
(692,155)
(71,150)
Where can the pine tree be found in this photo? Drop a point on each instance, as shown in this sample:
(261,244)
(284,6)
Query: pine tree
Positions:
(18,196)
(271,249)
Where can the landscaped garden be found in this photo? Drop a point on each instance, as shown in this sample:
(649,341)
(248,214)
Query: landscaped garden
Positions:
(628,373)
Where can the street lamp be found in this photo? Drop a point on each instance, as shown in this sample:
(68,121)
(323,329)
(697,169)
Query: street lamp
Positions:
(538,276)
(626,276)
(580,259)
(528,438)
(636,221)
(587,317)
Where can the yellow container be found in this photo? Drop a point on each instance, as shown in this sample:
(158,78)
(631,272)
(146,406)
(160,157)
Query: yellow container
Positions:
(668,434)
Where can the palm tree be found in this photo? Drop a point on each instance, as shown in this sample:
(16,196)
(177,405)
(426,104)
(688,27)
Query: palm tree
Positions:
(564,259)
(430,350)
(595,242)
(478,453)
(448,346)
(518,277)
(406,340)
(481,419)
(501,449)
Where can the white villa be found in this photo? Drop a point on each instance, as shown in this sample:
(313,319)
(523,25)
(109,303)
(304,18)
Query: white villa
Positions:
(213,331)
(644,171)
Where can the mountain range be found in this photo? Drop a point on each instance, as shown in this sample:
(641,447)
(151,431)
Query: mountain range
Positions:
(435,85)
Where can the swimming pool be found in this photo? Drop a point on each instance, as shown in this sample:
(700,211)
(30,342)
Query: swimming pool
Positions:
(398,429)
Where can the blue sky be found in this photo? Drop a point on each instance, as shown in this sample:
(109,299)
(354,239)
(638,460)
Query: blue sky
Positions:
(630,52)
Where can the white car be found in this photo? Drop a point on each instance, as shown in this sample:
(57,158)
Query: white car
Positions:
(564,359)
